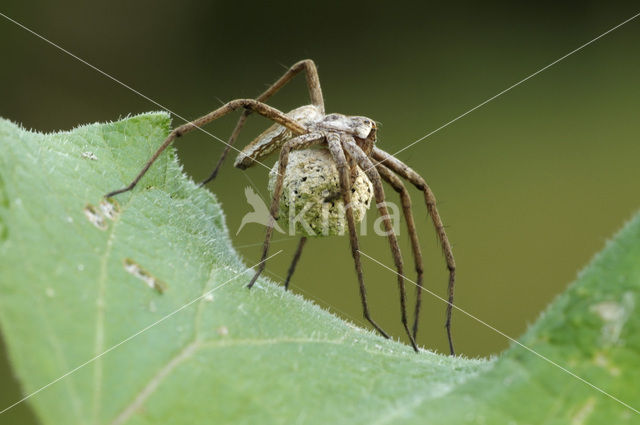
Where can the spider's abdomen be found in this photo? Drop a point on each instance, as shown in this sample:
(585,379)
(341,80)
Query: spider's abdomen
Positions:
(311,203)
(274,137)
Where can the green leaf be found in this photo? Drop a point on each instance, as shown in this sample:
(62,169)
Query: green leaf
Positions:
(78,278)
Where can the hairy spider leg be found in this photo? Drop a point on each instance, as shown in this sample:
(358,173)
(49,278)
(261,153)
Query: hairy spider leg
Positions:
(294,262)
(342,165)
(315,93)
(300,142)
(248,104)
(393,180)
(416,179)
(365,164)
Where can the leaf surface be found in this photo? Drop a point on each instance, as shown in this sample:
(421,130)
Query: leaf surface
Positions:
(78,279)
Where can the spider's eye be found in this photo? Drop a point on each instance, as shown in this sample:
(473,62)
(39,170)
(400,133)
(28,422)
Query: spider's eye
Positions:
(369,122)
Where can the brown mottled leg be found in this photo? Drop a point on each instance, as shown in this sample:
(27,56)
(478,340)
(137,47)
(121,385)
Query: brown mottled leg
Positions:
(345,187)
(313,84)
(299,142)
(388,176)
(296,257)
(365,164)
(248,104)
(406,172)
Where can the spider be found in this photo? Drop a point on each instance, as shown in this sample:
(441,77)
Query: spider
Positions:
(351,142)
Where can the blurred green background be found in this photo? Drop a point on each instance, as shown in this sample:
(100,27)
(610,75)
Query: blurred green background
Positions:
(530,185)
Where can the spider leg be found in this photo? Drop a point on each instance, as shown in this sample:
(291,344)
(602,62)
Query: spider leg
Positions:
(406,172)
(299,142)
(248,104)
(315,93)
(388,176)
(294,262)
(367,166)
(345,185)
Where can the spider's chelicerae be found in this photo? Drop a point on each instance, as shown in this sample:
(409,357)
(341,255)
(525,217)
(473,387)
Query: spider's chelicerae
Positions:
(351,143)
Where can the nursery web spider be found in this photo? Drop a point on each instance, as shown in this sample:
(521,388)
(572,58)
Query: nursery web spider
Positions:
(350,141)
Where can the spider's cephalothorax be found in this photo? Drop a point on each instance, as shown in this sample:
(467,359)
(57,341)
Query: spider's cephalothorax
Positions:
(362,129)
(328,160)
